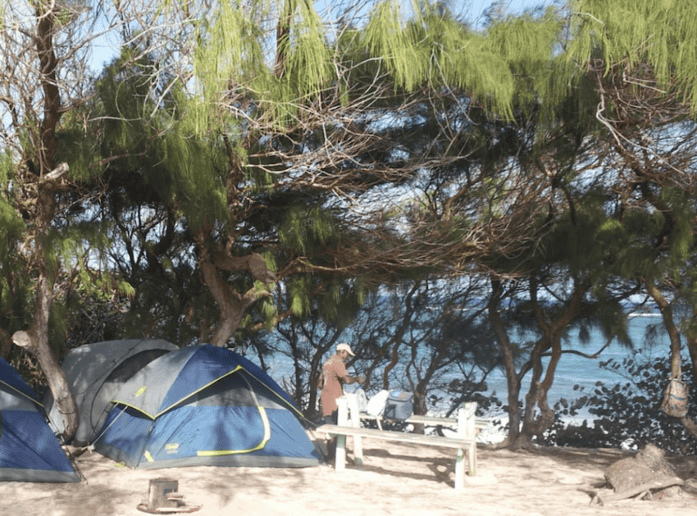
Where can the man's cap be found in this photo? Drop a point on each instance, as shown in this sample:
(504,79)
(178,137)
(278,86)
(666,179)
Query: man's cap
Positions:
(345,347)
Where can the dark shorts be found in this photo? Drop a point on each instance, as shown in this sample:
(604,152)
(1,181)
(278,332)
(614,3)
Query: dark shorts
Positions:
(332,419)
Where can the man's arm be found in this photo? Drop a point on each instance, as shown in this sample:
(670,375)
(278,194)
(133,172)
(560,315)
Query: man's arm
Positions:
(344,377)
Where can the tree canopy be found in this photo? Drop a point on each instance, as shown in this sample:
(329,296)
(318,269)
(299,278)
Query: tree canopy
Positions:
(237,167)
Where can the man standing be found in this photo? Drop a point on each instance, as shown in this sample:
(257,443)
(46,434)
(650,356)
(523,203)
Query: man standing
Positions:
(334,376)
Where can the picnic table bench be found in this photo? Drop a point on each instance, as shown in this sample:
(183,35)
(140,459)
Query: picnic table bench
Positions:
(465,442)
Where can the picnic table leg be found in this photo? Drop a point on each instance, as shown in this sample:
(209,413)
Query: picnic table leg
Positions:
(472,456)
(460,469)
(466,420)
(356,423)
(466,428)
(342,419)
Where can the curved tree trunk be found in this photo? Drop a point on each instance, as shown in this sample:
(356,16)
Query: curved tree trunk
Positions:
(35,341)
(537,397)
(530,428)
(689,424)
(394,344)
(232,305)
(534,425)
(40,156)
(512,378)
(692,348)
(669,324)
(394,360)
(675,346)
(229,303)
(315,374)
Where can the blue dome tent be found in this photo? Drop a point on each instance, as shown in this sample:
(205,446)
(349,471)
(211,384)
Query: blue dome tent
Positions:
(29,450)
(204,405)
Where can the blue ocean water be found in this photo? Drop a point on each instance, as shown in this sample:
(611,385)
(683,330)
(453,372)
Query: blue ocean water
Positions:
(572,370)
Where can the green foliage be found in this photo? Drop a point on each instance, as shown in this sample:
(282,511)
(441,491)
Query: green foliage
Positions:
(435,49)
(15,285)
(388,40)
(339,304)
(308,56)
(304,226)
(6,167)
(662,33)
(268,310)
(15,299)
(77,147)
(229,48)
(299,295)
(231,56)
(681,235)
(529,47)
(172,161)
(195,172)
(11,224)
(490,110)
(627,413)
(638,252)
(584,243)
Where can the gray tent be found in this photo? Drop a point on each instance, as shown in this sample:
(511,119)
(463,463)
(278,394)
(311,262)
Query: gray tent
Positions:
(95,372)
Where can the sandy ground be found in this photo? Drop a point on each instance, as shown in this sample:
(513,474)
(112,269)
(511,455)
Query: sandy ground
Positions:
(395,479)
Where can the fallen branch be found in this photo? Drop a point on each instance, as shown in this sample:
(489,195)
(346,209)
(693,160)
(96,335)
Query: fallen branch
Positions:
(643,488)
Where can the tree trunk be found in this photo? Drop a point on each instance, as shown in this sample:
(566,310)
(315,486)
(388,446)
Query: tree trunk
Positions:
(669,324)
(315,375)
(35,341)
(398,338)
(688,423)
(535,426)
(41,155)
(692,348)
(5,343)
(231,304)
(674,334)
(394,360)
(512,379)
(552,331)
(530,428)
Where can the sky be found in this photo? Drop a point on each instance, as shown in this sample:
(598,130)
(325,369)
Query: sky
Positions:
(471,9)
(479,6)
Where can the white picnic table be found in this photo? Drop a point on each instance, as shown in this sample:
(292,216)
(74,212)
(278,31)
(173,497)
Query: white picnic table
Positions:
(349,424)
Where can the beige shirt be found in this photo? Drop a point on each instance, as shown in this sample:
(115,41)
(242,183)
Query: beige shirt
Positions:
(334,375)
